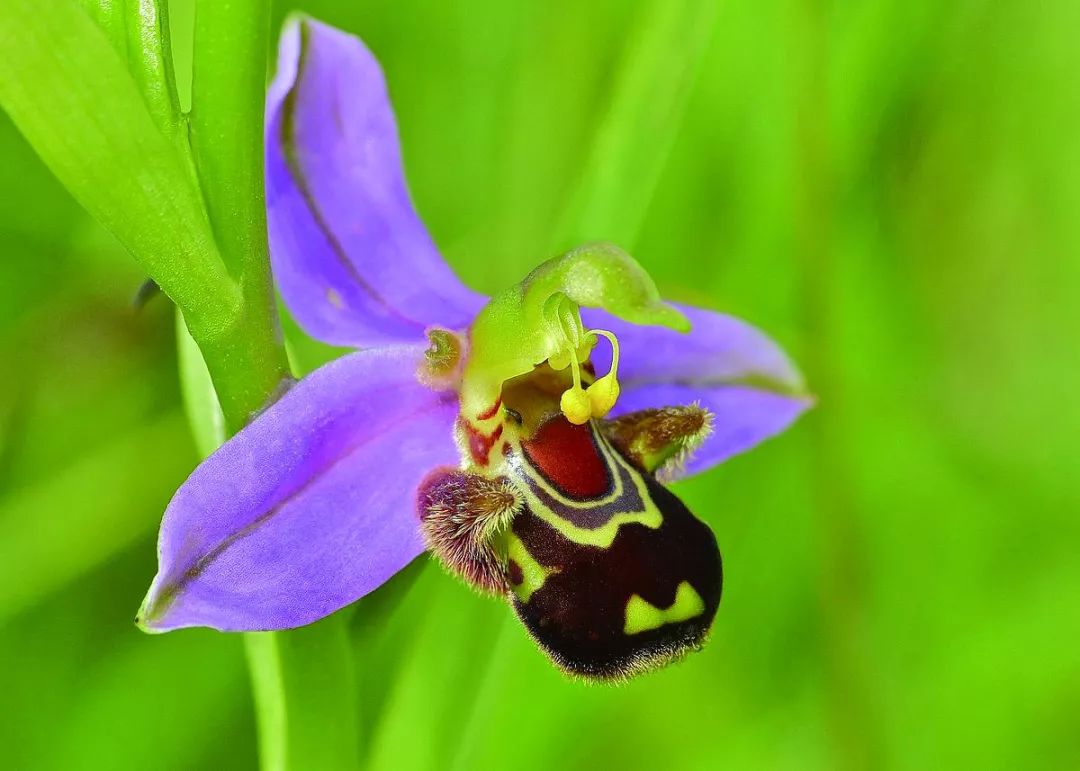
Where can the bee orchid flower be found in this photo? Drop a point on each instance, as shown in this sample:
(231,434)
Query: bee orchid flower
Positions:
(524,439)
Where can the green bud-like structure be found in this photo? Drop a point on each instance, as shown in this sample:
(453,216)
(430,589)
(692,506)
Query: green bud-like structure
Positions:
(537,320)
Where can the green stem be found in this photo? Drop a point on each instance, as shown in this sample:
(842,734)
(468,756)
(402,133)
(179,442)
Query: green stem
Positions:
(305,698)
(302,679)
(246,359)
(305,693)
(228,93)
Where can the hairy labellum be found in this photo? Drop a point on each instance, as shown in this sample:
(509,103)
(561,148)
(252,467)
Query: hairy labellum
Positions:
(621,576)
(609,572)
(463,514)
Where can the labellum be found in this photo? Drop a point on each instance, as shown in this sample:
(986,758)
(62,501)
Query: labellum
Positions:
(558,508)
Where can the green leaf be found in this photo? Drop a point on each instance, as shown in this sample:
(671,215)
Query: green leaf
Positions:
(71,95)
(139,33)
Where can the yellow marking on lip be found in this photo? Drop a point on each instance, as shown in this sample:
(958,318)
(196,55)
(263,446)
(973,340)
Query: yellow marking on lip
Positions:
(535,574)
(650,516)
(642,616)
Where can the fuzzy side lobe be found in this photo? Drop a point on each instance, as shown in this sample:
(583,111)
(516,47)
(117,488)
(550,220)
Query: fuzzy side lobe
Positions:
(461,515)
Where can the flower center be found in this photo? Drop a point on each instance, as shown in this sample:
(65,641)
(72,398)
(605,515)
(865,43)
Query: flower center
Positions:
(579,403)
(527,350)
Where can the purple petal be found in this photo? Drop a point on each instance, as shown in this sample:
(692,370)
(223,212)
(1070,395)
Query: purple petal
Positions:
(729,367)
(742,417)
(309,507)
(350,255)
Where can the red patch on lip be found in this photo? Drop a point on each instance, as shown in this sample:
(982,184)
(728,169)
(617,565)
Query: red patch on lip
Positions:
(568,457)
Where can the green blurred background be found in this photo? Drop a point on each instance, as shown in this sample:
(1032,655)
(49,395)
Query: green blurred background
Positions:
(890,188)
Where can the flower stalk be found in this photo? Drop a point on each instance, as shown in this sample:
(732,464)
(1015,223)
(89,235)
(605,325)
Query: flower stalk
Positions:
(302,680)
(247,360)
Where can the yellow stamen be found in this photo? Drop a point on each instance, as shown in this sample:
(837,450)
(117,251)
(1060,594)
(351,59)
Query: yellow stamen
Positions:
(575,402)
(614,348)
(605,391)
(578,404)
(602,395)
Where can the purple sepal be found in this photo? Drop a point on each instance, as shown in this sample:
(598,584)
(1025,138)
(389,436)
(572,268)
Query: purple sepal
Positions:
(728,366)
(309,507)
(352,259)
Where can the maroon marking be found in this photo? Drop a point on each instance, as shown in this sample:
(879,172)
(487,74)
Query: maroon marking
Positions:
(567,455)
(488,414)
(516,574)
(480,444)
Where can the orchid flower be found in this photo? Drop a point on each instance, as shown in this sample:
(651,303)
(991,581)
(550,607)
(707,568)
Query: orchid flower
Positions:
(524,439)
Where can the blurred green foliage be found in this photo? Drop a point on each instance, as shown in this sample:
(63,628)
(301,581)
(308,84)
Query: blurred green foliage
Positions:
(890,188)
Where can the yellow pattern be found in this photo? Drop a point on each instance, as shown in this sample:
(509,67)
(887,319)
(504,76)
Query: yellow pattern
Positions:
(650,516)
(534,573)
(641,615)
